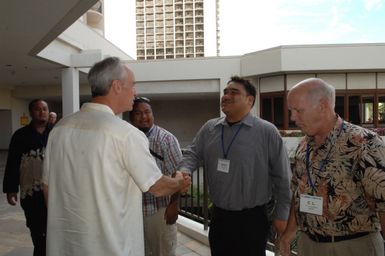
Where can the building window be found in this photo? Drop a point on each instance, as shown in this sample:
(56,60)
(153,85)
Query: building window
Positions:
(273,108)
(381,109)
(357,108)
(364,108)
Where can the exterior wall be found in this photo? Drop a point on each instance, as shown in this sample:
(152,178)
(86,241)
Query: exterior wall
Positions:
(272,84)
(293,79)
(337,80)
(361,80)
(381,80)
(183,118)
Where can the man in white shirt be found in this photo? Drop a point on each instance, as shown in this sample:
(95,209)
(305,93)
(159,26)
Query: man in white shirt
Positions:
(95,171)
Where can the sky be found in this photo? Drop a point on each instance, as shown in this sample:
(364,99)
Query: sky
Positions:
(253,25)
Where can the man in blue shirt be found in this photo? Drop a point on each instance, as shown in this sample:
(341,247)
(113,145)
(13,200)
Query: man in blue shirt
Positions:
(246,164)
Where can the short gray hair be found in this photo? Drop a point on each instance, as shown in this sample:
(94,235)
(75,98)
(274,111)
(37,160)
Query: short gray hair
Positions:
(102,73)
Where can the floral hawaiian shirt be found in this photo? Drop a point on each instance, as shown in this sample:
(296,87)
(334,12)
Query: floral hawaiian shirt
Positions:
(348,172)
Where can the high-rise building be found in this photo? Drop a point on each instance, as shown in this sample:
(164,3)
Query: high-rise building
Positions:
(167,29)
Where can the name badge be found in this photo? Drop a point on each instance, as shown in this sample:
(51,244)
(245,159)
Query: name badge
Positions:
(311,204)
(223,165)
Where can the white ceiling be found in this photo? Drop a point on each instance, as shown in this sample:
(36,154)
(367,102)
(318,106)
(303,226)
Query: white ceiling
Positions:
(26,27)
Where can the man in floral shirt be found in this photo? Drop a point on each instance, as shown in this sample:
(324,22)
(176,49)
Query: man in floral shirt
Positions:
(338,181)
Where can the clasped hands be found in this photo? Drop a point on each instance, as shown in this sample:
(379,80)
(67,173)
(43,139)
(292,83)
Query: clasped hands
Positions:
(184,181)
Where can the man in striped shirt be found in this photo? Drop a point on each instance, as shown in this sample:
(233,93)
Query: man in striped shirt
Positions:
(160,213)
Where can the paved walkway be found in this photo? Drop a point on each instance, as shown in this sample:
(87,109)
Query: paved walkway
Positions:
(16,241)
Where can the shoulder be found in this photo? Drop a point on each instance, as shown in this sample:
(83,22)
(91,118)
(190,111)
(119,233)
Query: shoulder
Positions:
(263,126)
(163,133)
(22,131)
(360,135)
(214,122)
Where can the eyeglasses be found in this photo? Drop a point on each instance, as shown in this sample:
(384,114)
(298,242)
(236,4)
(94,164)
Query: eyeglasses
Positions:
(141,99)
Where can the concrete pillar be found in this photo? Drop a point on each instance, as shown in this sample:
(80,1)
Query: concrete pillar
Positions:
(222,85)
(70,90)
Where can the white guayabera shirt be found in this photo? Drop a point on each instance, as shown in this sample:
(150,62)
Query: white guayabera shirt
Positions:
(96,168)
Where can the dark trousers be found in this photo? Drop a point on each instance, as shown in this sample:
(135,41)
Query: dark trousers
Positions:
(36,215)
(234,233)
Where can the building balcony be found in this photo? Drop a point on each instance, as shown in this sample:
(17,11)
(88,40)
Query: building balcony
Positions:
(149,3)
(199,13)
(189,28)
(169,30)
(199,42)
(139,24)
(188,7)
(159,16)
(149,10)
(198,6)
(159,10)
(189,14)
(189,20)
(140,31)
(199,28)
(199,35)
(159,45)
(199,20)
(169,16)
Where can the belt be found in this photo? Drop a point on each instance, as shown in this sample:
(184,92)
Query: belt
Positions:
(332,239)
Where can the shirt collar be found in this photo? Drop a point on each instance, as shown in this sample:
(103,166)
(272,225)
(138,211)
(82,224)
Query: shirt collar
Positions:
(149,132)
(96,107)
(247,120)
(333,134)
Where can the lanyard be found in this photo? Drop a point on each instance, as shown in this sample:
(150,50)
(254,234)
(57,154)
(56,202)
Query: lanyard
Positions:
(323,162)
(226,152)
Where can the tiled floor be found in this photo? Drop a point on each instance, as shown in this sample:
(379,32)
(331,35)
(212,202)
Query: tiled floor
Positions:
(190,247)
(16,241)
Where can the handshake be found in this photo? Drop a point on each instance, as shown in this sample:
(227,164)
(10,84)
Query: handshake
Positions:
(184,180)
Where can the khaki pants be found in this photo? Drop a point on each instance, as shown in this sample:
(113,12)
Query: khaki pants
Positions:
(159,238)
(370,245)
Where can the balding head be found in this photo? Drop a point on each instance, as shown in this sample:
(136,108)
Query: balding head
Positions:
(315,90)
(311,103)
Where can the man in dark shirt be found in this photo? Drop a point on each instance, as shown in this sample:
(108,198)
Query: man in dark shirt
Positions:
(24,170)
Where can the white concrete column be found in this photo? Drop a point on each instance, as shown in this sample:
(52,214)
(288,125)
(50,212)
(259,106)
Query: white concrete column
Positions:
(70,90)
(255,110)
(222,85)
